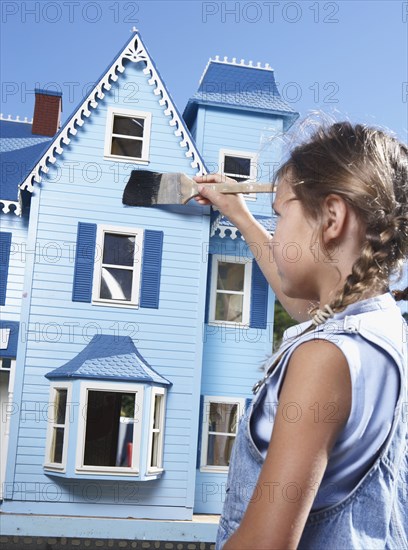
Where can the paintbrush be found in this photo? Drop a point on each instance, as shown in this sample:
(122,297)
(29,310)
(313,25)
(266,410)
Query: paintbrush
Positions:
(146,188)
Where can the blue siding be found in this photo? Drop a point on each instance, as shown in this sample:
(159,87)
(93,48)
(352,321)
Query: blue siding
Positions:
(84,186)
(233,355)
(243,131)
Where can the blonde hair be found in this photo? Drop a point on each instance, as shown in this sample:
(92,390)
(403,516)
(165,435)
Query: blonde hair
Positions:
(368,168)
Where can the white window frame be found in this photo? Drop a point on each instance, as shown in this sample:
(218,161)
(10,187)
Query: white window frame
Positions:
(253,157)
(134,469)
(205,432)
(246,304)
(137,265)
(112,111)
(56,466)
(156,469)
(12,366)
(4,338)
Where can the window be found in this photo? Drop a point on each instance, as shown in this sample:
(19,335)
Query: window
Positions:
(230,290)
(128,135)
(109,429)
(155,452)
(58,418)
(219,429)
(117,266)
(240,166)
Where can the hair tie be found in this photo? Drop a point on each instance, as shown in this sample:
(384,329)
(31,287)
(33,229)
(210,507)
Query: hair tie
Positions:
(322,315)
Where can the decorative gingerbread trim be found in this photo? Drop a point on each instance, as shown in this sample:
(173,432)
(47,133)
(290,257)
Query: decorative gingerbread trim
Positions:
(11,206)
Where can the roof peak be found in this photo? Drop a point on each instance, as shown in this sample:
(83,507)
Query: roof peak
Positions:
(134,51)
(17,119)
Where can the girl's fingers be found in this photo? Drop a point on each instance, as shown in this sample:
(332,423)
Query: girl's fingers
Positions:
(211,178)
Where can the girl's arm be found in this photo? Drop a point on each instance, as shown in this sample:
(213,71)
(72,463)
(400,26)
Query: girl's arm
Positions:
(257,238)
(314,405)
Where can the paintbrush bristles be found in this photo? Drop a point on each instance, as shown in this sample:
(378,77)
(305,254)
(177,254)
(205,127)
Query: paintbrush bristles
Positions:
(142,188)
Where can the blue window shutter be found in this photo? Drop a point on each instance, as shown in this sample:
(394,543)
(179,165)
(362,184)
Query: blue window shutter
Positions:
(5,246)
(84,262)
(259,298)
(151,268)
(208,290)
(200,430)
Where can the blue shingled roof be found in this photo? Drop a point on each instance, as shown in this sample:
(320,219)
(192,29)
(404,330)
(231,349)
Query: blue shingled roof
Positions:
(20,150)
(109,357)
(241,87)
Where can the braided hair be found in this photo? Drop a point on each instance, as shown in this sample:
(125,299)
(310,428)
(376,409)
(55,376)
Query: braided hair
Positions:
(368,168)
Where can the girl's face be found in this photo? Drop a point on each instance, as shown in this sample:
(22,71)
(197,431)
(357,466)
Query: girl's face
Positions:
(295,246)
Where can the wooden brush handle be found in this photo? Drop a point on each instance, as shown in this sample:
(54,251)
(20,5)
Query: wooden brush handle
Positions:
(244,187)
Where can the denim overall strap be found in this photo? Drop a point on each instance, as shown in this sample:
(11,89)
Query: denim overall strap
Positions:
(375,514)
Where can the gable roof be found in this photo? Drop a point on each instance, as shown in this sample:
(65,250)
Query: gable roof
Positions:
(134,51)
(240,86)
(109,357)
(20,150)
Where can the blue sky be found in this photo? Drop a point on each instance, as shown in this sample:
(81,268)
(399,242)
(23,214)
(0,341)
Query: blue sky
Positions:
(347,57)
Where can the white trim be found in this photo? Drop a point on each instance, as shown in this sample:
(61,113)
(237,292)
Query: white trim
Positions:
(208,399)
(254,159)
(136,268)
(8,204)
(112,111)
(156,469)
(5,426)
(56,466)
(124,387)
(246,303)
(17,119)
(135,52)
(12,363)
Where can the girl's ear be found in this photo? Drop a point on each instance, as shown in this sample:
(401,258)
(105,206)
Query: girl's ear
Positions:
(335,212)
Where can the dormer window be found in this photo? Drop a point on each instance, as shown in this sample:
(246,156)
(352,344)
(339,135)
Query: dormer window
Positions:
(128,135)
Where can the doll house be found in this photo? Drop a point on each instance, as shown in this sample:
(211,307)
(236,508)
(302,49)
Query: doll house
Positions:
(130,336)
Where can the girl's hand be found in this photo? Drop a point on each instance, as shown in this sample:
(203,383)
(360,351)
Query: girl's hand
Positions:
(232,205)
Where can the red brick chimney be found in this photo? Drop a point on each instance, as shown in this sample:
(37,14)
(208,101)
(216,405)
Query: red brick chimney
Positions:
(47,112)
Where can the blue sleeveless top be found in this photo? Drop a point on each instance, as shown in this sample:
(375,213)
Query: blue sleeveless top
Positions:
(375,386)
(374,513)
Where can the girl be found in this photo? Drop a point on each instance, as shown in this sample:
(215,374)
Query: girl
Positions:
(327,468)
